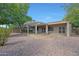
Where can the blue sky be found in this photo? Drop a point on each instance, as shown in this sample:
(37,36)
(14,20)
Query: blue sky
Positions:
(47,12)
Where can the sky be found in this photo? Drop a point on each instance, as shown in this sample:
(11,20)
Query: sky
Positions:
(47,12)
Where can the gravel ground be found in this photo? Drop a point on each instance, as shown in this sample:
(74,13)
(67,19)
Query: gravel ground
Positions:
(40,45)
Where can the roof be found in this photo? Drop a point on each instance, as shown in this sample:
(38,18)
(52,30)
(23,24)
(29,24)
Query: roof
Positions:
(58,22)
(33,23)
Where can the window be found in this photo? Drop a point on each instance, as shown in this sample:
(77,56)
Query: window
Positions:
(61,29)
(43,29)
(50,28)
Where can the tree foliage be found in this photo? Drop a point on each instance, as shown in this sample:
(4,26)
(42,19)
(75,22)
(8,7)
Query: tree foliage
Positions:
(13,13)
(73,14)
(22,20)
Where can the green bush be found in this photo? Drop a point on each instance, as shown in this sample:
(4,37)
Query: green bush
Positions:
(4,34)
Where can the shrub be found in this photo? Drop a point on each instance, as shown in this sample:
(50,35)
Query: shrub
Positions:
(4,34)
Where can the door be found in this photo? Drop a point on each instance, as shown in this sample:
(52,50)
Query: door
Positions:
(62,29)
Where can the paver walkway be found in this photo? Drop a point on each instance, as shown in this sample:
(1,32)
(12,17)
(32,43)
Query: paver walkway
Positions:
(40,45)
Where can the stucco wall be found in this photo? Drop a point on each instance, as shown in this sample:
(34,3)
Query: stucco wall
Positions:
(56,28)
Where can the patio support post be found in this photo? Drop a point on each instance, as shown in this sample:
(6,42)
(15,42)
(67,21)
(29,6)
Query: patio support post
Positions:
(35,29)
(27,29)
(68,29)
(47,29)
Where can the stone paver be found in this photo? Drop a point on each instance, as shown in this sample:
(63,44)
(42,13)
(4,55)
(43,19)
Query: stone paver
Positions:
(40,45)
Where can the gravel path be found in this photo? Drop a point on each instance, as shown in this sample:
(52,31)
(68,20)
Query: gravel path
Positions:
(39,45)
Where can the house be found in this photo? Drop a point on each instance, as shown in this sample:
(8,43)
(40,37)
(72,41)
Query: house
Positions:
(60,27)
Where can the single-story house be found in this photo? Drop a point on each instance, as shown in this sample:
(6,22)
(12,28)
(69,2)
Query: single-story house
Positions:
(60,27)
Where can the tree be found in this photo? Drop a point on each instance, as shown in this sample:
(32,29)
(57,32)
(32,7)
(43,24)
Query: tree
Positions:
(73,16)
(22,20)
(10,13)
(14,13)
(19,22)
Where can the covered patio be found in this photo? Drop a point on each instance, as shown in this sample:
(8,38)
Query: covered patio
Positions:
(61,27)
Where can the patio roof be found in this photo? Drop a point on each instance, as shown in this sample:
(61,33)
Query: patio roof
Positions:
(58,22)
(33,23)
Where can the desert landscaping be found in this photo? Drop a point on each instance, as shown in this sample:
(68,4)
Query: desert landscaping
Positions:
(40,45)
